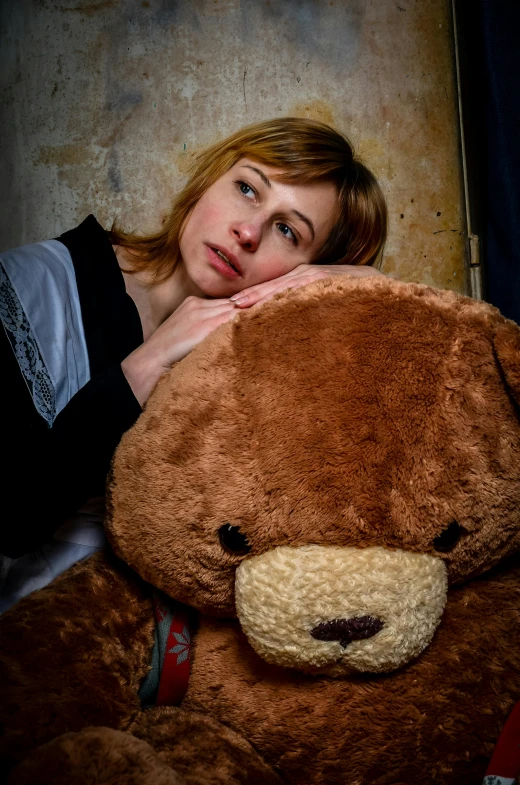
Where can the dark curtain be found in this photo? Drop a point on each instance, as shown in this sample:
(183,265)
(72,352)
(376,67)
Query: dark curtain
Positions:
(499,39)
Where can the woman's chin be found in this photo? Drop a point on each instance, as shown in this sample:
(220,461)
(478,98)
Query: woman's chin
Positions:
(217,289)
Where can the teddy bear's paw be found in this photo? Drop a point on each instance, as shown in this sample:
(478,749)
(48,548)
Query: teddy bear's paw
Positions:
(203,750)
(94,756)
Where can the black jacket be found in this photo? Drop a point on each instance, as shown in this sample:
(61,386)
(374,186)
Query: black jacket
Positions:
(50,472)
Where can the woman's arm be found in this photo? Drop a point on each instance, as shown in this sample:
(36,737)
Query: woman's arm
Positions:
(51,472)
(193,321)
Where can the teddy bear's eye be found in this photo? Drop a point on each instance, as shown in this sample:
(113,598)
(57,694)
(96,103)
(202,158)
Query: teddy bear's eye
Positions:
(448,538)
(232,540)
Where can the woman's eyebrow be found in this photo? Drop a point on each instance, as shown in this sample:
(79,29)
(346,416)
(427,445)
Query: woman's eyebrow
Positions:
(264,177)
(266,180)
(306,220)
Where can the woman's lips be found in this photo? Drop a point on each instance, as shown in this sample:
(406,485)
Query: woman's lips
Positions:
(218,263)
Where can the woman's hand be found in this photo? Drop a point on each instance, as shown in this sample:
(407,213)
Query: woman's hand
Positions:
(300,276)
(195,319)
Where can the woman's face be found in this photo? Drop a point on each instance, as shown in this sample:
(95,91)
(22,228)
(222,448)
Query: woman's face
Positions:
(249,228)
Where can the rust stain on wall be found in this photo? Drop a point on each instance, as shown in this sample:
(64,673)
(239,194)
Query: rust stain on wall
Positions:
(90,8)
(315,110)
(65,155)
(184,159)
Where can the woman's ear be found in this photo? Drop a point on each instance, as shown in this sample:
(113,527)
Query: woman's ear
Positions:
(507,348)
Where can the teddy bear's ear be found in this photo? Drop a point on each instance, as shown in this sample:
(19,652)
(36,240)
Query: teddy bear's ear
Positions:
(507,348)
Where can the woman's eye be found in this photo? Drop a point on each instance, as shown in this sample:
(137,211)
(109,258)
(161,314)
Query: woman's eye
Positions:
(448,539)
(245,189)
(232,540)
(287,232)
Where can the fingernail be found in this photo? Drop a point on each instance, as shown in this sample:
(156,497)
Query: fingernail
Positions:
(235,297)
(238,300)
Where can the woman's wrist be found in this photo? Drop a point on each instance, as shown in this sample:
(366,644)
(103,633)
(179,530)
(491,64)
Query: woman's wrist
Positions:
(141,373)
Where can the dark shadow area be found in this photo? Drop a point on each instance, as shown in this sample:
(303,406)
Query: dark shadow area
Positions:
(489,53)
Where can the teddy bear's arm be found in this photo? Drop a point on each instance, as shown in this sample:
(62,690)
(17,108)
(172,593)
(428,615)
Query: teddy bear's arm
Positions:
(175,747)
(73,654)
(100,755)
(202,749)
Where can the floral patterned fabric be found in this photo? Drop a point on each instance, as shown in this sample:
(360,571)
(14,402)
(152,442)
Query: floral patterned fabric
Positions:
(167,681)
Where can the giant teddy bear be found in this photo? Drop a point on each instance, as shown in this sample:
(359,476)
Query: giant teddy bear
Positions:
(324,496)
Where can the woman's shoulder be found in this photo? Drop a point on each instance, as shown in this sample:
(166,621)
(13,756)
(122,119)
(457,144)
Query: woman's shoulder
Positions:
(59,256)
(88,236)
(41,315)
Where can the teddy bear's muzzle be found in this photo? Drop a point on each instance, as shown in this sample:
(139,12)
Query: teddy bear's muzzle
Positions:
(334,610)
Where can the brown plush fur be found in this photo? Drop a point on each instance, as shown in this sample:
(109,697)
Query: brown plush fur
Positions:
(435,721)
(93,755)
(351,413)
(374,415)
(74,654)
(203,749)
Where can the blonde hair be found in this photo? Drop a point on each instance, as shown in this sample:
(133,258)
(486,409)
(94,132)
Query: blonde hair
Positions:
(304,150)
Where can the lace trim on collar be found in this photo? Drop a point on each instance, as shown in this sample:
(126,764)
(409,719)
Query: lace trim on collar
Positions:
(26,350)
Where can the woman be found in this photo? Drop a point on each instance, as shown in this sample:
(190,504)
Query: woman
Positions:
(92,320)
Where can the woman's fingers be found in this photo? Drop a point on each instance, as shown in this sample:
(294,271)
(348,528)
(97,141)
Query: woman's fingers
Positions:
(209,323)
(264,291)
(295,283)
(190,324)
(252,294)
(300,276)
(200,305)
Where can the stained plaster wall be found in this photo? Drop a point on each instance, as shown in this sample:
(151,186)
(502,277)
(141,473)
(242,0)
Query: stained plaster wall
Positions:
(105,103)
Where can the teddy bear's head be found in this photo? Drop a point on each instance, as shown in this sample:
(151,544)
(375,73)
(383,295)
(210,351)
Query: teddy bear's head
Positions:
(323,467)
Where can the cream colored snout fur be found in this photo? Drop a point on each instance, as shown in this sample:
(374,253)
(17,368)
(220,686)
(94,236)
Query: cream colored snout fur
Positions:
(282,595)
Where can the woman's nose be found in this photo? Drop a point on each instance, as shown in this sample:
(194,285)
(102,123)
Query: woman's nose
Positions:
(248,235)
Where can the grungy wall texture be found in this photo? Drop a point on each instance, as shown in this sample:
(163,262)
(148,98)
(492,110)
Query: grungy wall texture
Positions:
(105,103)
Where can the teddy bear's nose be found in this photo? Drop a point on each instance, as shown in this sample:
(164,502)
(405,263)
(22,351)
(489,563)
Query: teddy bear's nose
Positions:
(347,630)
